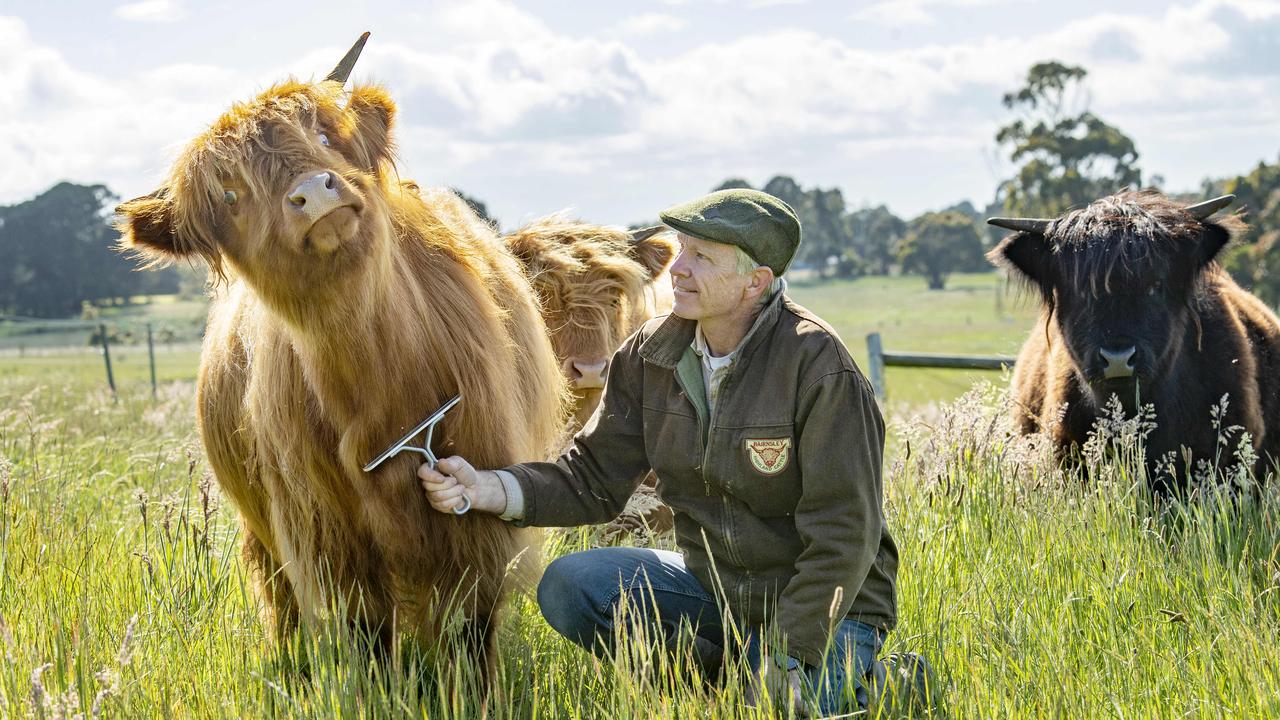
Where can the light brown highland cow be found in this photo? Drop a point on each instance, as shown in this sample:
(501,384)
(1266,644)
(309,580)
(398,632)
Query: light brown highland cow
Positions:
(596,285)
(353,306)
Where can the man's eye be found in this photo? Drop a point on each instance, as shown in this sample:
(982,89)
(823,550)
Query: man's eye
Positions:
(324,140)
(229,197)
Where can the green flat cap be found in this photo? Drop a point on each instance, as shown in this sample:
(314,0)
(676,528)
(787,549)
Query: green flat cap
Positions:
(759,223)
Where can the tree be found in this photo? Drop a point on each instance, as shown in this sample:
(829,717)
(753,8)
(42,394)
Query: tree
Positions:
(733,184)
(59,251)
(822,215)
(1068,156)
(875,234)
(477,207)
(1254,260)
(940,243)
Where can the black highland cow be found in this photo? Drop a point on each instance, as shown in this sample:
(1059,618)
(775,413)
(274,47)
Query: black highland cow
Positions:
(1134,305)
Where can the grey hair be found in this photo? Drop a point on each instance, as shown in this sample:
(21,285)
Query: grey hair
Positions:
(746,264)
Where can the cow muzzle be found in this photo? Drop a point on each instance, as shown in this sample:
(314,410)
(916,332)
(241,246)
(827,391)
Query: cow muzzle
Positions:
(1117,363)
(325,208)
(585,374)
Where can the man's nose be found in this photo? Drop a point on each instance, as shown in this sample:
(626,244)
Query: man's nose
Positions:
(678,266)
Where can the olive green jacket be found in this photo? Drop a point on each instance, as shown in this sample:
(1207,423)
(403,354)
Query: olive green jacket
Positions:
(777,494)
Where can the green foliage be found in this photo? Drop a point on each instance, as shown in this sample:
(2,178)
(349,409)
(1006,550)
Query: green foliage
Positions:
(836,242)
(822,215)
(940,243)
(1254,261)
(876,235)
(1068,156)
(59,252)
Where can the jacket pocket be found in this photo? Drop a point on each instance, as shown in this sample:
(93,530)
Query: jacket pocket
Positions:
(766,471)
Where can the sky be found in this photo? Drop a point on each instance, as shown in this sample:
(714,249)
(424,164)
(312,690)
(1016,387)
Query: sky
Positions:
(615,110)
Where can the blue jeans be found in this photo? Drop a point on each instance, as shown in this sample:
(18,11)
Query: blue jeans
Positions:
(579,595)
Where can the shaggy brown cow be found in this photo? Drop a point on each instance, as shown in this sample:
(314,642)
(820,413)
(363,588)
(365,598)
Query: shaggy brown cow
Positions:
(597,285)
(1135,306)
(354,306)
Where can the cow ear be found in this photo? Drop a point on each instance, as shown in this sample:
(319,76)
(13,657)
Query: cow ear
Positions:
(372,112)
(1025,254)
(653,248)
(519,246)
(1213,238)
(146,225)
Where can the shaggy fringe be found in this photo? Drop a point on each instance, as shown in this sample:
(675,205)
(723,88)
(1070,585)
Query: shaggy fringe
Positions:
(314,365)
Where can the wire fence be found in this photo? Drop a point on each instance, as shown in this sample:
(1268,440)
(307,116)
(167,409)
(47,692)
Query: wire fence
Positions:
(36,338)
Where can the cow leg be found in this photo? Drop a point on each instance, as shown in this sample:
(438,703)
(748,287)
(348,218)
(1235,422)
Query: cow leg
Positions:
(279,606)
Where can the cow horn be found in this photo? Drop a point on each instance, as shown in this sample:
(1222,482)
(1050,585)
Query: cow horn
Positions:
(342,70)
(1203,210)
(1035,225)
(639,235)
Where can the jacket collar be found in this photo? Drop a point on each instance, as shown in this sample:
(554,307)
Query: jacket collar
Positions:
(675,335)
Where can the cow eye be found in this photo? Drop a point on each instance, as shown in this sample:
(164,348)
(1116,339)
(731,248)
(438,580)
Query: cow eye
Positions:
(324,140)
(229,197)
(1155,288)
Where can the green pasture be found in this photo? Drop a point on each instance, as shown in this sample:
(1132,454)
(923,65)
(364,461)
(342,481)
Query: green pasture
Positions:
(122,595)
(976,314)
(1033,594)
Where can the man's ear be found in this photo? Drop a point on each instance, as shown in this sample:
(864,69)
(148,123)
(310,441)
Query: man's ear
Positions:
(146,226)
(1026,255)
(371,111)
(654,248)
(761,279)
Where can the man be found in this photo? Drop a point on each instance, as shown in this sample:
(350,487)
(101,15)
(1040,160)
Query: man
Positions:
(767,442)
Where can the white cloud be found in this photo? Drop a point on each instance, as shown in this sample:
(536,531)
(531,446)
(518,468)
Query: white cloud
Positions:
(59,122)
(651,24)
(897,13)
(151,11)
(527,116)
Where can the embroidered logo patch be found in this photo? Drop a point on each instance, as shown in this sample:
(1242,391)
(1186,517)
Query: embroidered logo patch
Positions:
(769,456)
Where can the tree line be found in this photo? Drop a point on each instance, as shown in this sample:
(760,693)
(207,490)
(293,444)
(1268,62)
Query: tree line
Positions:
(59,248)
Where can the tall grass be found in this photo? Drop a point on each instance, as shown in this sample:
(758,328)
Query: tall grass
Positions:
(1034,593)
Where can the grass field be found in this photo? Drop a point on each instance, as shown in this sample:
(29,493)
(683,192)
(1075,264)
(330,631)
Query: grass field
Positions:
(1034,595)
(961,319)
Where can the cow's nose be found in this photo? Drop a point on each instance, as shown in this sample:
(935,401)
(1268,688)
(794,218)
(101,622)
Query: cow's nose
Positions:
(315,196)
(585,374)
(1119,363)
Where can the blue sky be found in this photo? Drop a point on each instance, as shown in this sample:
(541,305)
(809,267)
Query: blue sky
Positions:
(616,110)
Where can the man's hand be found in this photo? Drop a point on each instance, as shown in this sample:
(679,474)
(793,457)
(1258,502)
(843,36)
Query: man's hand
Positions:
(454,477)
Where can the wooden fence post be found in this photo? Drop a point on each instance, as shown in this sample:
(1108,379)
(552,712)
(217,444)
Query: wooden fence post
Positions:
(875,364)
(106,356)
(151,355)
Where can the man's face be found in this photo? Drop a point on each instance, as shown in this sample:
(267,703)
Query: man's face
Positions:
(705,279)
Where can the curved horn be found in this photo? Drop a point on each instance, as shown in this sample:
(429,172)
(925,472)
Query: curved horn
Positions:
(342,70)
(1035,225)
(1200,211)
(639,235)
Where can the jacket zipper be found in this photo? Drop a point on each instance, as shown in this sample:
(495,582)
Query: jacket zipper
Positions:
(726,511)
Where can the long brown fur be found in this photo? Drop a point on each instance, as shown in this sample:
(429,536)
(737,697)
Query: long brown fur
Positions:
(1230,345)
(597,285)
(314,363)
